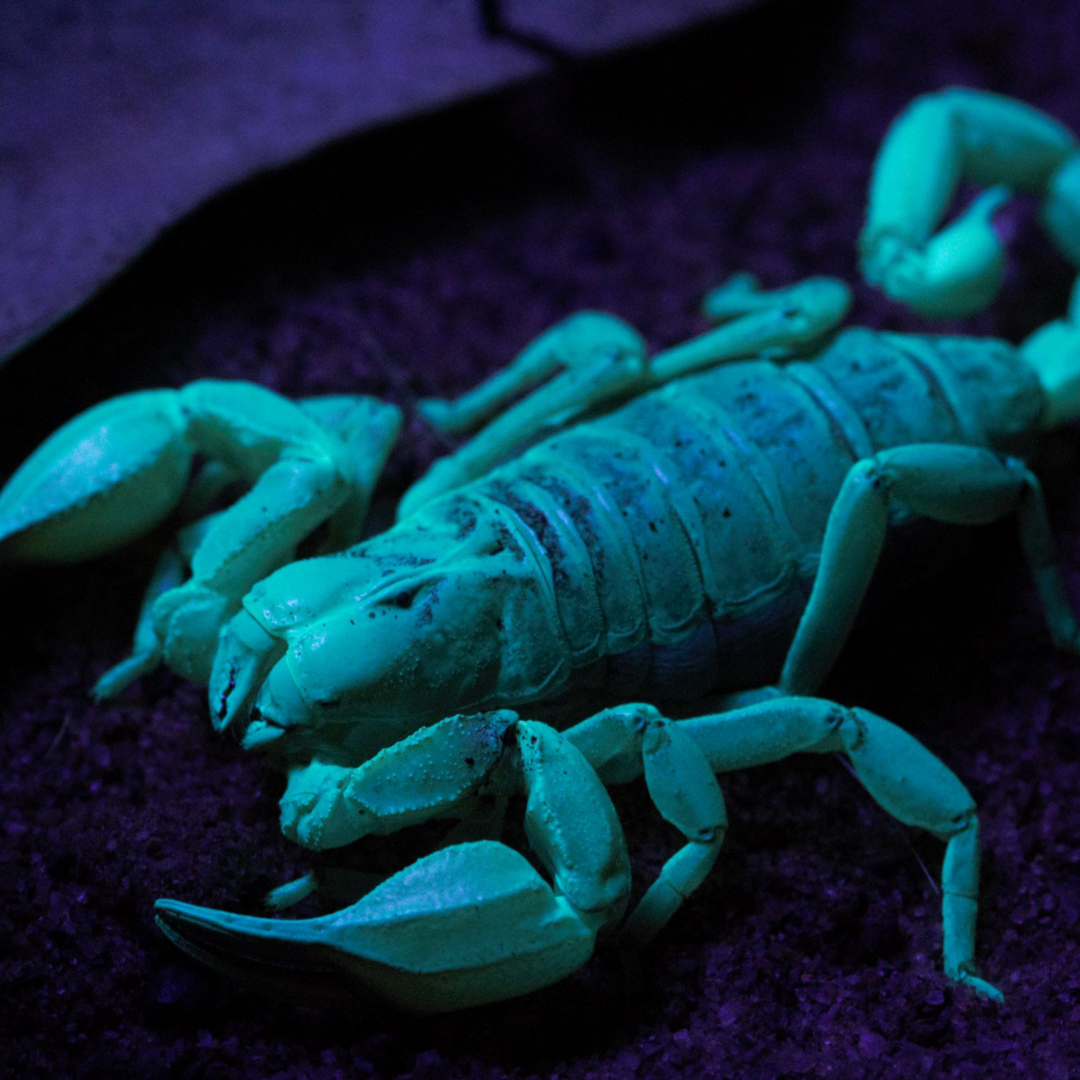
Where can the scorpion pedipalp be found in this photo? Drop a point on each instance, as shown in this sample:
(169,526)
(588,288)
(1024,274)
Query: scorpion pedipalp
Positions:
(466,925)
(118,470)
(103,479)
(469,924)
(475,923)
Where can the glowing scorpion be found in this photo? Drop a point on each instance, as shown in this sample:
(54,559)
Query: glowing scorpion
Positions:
(701,521)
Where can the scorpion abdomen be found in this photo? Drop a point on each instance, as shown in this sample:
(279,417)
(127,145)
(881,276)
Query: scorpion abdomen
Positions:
(683,530)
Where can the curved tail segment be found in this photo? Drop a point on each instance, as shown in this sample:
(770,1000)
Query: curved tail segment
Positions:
(1054,352)
(944,139)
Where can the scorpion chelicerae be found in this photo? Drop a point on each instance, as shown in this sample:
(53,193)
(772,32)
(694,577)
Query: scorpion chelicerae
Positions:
(703,521)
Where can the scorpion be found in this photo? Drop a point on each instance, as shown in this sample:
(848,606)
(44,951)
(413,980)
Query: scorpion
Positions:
(690,532)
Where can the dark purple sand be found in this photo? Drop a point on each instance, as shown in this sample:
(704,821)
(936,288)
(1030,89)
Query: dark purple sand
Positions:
(814,948)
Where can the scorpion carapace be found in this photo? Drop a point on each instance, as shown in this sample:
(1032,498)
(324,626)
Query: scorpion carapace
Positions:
(713,526)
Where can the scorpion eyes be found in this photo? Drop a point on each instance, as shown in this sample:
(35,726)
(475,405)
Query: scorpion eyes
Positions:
(403,599)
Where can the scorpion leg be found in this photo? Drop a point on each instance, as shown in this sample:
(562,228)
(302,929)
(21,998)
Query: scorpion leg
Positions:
(940,140)
(254,536)
(573,343)
(339,886)
(900,774)
(468,924)
(604,359)
(597,357)
(323,470)
(146,649)
(959,485)
(679,760)
(368,429)
(172,567)
(776,322)
(627,740)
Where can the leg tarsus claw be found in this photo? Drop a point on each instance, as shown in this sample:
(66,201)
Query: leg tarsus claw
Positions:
(979,986)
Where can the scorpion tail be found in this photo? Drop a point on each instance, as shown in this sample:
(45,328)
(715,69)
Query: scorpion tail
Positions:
(1054,352)
(940,140)
(467,925)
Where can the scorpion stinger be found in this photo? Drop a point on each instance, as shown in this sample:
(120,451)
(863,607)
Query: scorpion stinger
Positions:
(938,141)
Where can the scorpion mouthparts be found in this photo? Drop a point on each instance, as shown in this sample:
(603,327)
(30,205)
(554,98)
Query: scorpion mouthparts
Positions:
(240,723)
(260,731)
(246,654)
(277,710)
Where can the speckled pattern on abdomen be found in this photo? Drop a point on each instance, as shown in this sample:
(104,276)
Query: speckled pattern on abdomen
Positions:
(683,530)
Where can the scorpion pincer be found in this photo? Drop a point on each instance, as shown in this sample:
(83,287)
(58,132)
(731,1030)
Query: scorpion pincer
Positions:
(709,526)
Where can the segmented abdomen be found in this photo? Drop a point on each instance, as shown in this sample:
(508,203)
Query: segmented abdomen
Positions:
(683,530)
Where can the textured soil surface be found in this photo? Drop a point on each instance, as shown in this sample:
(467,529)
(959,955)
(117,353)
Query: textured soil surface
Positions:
(411,262)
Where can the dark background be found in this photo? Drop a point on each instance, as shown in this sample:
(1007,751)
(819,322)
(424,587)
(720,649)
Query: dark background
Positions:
(117,119)
(412,261)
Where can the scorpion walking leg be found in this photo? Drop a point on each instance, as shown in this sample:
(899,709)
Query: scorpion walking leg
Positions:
(755,321)
(601,357)
(324,472)
(605,358)
(254,536)
(575,343)
(959,485)
(625,741)
(900,774)
(172,566)
(368,429)
(146,649)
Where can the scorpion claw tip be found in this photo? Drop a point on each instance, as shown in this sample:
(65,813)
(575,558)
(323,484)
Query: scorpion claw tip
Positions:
(469,924)
(272,955)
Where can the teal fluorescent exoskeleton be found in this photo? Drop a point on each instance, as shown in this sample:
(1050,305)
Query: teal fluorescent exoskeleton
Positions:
(120,469)
(647,530)
(373,643)
(939,141)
